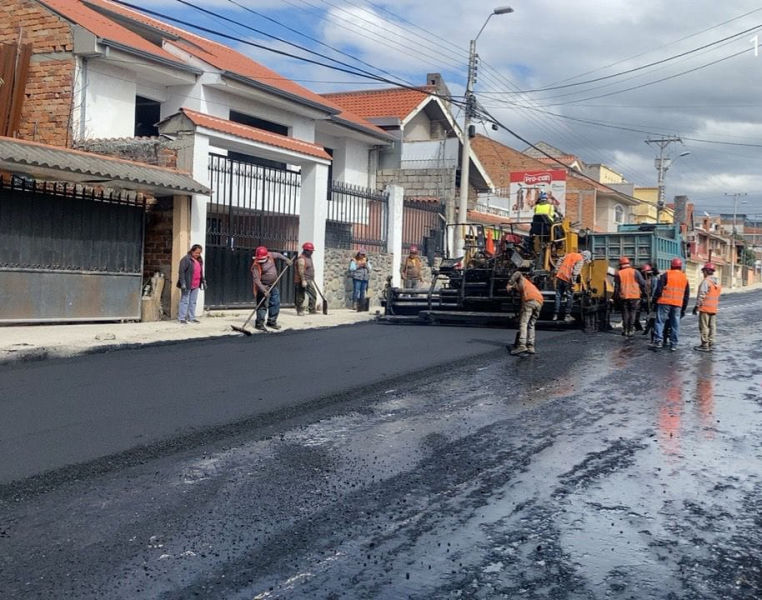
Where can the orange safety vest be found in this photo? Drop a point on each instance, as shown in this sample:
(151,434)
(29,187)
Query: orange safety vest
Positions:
(712,299)
(529,292)
(567,266)
(628,285)
(674,291)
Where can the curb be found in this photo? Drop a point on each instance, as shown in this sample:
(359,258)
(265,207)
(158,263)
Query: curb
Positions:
(43,354)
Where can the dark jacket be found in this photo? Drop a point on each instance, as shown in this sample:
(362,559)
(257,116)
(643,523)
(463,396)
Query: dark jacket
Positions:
(264,274)
(185,273)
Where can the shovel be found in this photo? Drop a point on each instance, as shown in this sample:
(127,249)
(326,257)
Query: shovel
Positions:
(325,304)
(243,329)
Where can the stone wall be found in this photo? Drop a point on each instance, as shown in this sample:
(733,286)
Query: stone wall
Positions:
(434,183)
(338,283)
(156,151)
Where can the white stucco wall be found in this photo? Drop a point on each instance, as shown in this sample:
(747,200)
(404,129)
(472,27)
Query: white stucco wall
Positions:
(350,159)
(605,214)
(419,128)
(109,102)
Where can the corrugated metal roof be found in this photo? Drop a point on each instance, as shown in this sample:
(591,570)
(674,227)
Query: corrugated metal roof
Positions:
(53,162)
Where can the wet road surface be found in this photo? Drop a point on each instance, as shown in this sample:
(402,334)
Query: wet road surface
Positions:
(595,469)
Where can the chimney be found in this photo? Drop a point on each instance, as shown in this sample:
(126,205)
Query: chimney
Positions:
(435,79)
(681,203)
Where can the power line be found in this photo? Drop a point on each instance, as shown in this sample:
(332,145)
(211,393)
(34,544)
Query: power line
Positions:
(640,68)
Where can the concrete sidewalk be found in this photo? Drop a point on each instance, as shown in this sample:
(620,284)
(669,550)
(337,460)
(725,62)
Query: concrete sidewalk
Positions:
(36,342)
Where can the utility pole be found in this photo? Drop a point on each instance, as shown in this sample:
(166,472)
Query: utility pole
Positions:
(662,165)
(465,159)
(733,239)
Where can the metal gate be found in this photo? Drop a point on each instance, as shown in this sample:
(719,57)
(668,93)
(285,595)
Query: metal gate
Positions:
(251,206)
(69,253)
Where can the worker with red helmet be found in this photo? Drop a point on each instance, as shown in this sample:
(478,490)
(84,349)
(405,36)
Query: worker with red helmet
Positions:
(412,269)
(629,288)
(304,276)
(671,295)
(264,272)
(707,303)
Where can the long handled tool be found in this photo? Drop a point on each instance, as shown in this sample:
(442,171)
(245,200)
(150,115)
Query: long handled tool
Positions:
(325,304)
(243,329)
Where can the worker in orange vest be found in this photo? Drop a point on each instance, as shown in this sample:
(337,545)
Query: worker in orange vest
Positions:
(707,303)
(531,304)
(671,295)
(568,271)
(629,287)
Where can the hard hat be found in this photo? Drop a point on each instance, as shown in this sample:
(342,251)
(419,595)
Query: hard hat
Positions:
(586,256)
(308,246)
(413,249)
(708,267)
(543,196)
(261,254)
(515,278)
(624,261)
(646,268)
(677,263)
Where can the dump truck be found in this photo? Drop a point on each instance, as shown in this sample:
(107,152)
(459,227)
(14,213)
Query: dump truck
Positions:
(471,288)
(647,243)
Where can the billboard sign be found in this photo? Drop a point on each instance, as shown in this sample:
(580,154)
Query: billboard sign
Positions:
(526,187)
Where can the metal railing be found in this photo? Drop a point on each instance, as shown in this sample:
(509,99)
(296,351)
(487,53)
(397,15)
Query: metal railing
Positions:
(422,224)
(357,217)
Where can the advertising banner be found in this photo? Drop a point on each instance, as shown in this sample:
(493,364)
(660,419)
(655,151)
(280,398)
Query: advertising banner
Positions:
(526,187)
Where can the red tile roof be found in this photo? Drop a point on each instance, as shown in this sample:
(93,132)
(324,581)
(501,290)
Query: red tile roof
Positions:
(254,134)
(388,102)
(218,55)
(104,28)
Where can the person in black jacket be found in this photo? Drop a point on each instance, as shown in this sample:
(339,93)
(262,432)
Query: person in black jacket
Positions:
(190,280)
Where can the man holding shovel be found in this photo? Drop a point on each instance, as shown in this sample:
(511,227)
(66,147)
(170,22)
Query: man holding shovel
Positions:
(304,280)
(264,273)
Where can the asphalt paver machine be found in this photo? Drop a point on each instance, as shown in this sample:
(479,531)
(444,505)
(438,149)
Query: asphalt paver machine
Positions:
(470,288)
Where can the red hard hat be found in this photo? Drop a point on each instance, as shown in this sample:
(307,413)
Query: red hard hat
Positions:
(413,249)
(646,268)
(677,263)
(261,254)
(309,246)
(624,261)
(708,267)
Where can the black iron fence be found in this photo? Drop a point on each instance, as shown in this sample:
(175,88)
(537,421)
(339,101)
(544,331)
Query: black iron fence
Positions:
(423,224)
(357,217)
(251,205)
(67,227)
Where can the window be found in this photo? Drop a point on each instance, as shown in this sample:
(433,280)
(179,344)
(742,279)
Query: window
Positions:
(147,115)
(618,214)
(244,119)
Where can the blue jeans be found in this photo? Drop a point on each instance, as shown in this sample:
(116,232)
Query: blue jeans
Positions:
(564,287)
(272,305)
(665,313)
(187,311)
(359,289)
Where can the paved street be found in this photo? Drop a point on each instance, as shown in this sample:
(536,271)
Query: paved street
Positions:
(388,462)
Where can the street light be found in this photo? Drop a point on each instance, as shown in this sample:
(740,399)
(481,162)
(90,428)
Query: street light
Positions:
(662,166)
(465,159)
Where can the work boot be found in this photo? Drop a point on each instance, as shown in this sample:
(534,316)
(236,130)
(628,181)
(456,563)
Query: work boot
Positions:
(655,345)
(530,349)
(274,325)
(299,313)
(673,348)
(259,326)
(354,306)
(624,332)
(630,333)
(555,316)
(313,311)
(568,319)
(520,349)
(703,348)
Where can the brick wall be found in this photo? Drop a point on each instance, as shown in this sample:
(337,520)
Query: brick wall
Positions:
(46,114)
(157,253)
